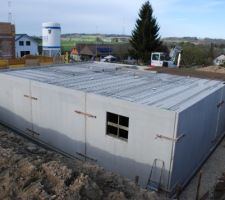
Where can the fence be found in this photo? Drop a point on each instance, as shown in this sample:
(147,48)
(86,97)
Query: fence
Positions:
(27,61)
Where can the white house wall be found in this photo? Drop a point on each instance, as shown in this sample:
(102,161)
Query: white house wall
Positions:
(33,48)
(134,157)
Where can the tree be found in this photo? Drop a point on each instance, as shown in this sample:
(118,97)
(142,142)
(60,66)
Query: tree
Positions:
(211,55)
(145,37)
(194,54)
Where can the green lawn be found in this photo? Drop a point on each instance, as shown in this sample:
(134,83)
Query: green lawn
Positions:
(69,43)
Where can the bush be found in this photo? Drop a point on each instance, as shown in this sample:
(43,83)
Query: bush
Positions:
(195,54)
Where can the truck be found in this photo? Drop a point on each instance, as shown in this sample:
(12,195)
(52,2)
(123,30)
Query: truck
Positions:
(161,59)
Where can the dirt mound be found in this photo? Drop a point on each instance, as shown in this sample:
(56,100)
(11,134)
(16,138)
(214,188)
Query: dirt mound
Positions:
(204,72)
(216,69)
(28,171)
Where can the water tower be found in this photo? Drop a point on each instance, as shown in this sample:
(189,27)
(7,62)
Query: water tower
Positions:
(51,39)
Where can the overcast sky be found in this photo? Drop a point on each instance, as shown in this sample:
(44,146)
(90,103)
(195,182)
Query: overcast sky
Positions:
(200,18)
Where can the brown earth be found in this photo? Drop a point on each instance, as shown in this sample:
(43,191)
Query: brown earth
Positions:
(211,72)
(216,69)
(28,171)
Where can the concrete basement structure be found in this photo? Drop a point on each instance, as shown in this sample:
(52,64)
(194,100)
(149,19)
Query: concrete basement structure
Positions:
(7,40)
(135,123)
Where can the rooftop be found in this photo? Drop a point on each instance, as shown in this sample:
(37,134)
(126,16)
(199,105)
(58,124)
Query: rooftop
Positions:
(170,92)
(19,36)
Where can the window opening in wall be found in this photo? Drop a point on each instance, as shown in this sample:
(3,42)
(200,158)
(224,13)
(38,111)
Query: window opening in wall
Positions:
(27,43)
(21,43)
(117,126)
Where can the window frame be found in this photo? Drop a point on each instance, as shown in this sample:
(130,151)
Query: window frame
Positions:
(21,43)
(28,43)
(118,126)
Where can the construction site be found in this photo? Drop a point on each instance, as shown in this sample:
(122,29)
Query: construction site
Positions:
(111,115)
(119,118)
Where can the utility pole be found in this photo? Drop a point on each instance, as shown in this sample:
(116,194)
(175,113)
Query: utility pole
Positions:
(96,44)
(9,11)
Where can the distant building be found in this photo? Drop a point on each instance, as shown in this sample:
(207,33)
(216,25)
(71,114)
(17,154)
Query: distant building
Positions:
(74,55)
(7,40)
(102,50)
(220,60)
(25,45)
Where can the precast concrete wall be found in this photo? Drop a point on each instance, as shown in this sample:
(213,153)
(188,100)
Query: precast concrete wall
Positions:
(135,156)
(15,108)
(202,125)
(54,116)
(74,122)
(55,119)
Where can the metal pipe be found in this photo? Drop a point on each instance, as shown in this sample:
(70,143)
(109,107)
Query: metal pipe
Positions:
(198,186)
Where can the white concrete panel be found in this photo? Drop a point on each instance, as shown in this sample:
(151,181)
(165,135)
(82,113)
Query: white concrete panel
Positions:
(221,117)
(55,119)
(14,106)
(133,157)
(199,124)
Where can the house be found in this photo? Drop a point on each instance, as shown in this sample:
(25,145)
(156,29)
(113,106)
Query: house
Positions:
(89,51)
(7,40)
(157,127)
(25,45)
(220,60)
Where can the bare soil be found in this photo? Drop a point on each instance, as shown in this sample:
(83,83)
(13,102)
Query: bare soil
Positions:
(211,72)
(29,171)
(216,69)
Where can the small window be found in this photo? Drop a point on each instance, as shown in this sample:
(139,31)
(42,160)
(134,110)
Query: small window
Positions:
(117,126)
(21,43)
(162,57)
(155,56)
(27,43)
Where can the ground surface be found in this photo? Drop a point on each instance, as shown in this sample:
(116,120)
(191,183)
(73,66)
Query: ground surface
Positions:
(28,171)
(217,69)
(212,72)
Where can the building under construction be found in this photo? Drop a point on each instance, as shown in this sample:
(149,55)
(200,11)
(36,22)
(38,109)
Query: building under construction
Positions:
(154,126)
(7,40)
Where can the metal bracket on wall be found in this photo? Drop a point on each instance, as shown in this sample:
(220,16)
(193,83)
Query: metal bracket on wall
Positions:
(220,104)
(85,114)
(168,138)
(32,132)
(30,97)
(86,157)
